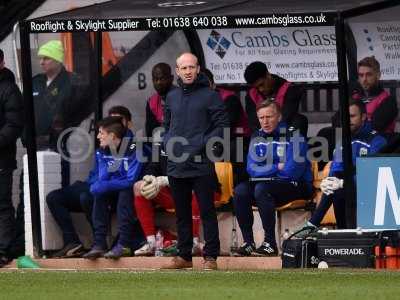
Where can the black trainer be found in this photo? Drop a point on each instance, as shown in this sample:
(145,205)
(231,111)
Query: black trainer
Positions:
(94,253)
(266,250)
(4,260)
(70,250)
(246,249)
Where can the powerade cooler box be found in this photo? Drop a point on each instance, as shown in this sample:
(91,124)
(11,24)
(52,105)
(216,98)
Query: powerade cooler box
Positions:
(347,248)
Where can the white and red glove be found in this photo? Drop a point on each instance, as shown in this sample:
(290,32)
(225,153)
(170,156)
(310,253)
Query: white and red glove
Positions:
(152,186)
(162,181)
(331,184)
(149,187)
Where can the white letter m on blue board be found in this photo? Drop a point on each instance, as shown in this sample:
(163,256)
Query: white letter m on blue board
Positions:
(386,183)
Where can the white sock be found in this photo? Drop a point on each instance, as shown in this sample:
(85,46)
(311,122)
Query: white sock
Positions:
(196,241)
(151,239)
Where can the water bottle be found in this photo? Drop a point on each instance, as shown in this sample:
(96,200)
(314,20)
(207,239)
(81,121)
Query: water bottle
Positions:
(234,241)
(159,243)
(286,234)
(234,237)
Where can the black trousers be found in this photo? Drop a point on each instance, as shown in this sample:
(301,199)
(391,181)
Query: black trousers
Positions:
(72,198)
(7,212)
(267,196)
(329,134)
(129,229)
(181,189)
(339,205)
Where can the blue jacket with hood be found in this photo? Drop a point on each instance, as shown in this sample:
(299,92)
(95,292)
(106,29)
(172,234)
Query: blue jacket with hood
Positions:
(363,143)
(114,173)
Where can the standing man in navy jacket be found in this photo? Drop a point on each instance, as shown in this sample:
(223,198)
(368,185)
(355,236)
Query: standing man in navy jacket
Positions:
(279,173)
(117,169)
(193,114)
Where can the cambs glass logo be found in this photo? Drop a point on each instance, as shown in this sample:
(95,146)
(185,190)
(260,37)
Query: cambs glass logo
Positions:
(218,43)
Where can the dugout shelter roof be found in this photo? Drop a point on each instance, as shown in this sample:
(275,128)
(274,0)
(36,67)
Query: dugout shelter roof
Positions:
(143,8)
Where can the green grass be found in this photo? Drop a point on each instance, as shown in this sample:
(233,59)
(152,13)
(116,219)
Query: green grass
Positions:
(271,285)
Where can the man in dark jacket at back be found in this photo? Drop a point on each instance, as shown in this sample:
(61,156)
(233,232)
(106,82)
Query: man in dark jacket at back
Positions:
(381,107)
(57,95)
(60,99)
(11,116)
(193,114)
(162,77)
(267,86)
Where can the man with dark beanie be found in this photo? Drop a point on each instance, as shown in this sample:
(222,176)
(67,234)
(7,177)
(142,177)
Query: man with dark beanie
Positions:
(267,86)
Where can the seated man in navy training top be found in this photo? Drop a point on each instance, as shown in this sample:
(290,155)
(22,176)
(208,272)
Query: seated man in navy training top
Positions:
(267,86)
(364,141)
(117,169)
(279,173)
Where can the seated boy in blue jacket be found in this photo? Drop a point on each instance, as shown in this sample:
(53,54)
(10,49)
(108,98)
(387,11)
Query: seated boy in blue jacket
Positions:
(77,198)
(279,173)
(117,169)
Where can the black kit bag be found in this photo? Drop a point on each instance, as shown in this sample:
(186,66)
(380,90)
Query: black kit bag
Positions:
(347,248)
(300,253)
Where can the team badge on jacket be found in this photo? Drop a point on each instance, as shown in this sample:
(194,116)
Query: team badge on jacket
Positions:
(363,151)
(280,150)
